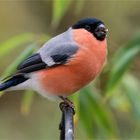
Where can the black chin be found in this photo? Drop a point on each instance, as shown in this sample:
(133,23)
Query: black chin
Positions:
(100,35)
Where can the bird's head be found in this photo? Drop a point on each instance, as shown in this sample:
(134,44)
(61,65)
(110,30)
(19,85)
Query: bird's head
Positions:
(94,26)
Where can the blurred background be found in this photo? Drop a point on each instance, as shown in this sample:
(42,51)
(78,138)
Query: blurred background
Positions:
(108,108)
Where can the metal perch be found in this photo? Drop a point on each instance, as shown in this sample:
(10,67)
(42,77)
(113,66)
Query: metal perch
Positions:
(66,126)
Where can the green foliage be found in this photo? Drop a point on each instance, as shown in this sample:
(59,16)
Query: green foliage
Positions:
(27,52)
(95,115)
(121,62)
(10,44)
(131,88)
(26,102)
(12,67)
(59,9)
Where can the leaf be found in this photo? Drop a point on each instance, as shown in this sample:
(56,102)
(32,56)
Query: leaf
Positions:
(94,114)
(27,52)
(26,102)
(131,88)
(1,93)
(59,9)
(75,99)
(121,62)
(12,43)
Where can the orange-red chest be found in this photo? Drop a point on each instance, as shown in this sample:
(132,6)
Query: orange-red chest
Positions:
(82,68)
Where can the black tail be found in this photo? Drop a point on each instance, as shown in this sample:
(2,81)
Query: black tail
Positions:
(13,81)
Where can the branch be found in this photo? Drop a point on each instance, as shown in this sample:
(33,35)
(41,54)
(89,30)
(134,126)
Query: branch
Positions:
(66,125)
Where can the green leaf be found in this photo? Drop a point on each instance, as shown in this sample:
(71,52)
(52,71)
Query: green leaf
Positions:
(121,62)
(14,42)
(131,87)
(26,102)
(1,93)
(27,52)
(59,9)
(95,116)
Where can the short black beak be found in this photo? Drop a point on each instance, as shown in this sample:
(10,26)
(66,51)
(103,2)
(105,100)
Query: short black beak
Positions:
(100,32)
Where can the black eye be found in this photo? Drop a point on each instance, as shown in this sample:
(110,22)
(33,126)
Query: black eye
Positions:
(87,27)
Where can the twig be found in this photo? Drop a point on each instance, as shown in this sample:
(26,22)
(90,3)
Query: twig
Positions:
(66,125)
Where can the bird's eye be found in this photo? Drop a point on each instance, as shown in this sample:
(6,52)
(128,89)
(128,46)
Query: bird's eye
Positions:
(87,27)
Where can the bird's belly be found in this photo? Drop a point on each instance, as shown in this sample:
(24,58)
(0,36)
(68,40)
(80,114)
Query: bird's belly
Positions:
(67,79)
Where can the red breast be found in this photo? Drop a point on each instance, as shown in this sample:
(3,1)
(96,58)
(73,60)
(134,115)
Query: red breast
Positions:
(82,68)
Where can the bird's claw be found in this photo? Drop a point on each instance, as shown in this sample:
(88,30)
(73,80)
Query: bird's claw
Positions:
(66,103)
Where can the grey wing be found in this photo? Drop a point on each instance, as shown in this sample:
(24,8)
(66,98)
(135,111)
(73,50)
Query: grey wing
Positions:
(48,58)
(59,49)
(56,51)
(58,54)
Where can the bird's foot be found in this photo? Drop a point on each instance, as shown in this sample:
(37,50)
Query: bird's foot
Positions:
(66,103)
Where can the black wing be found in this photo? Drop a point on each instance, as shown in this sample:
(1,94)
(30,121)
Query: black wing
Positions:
(35,63)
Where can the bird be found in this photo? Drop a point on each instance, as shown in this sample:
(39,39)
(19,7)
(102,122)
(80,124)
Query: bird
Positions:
(65,63)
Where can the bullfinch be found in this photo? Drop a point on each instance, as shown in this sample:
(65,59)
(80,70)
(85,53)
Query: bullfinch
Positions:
(64,64)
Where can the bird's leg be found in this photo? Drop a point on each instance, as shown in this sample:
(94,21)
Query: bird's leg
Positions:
(66,102)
